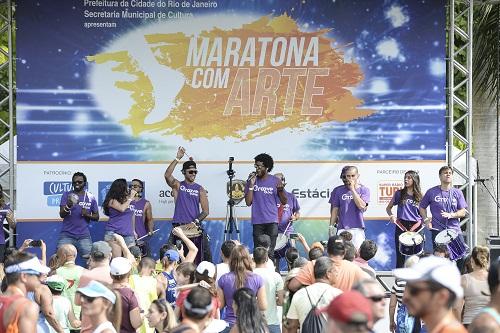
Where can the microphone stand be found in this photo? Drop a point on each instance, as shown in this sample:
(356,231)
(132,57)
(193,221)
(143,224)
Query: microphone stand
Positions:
(231,225)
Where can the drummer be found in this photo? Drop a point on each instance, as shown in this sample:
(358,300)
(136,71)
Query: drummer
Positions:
(143,217)
(407,217)
(447,205)
(188,196)
(290,211)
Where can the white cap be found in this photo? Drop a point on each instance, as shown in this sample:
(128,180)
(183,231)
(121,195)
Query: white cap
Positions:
(206,267)
(96,289)
(120,266)
(31,266)
(435,269)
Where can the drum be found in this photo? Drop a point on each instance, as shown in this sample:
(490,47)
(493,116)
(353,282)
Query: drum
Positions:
(282,244)
(411,243)
(191,230)
(454,241)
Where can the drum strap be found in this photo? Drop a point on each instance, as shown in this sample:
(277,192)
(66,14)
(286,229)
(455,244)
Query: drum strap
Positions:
(281,208)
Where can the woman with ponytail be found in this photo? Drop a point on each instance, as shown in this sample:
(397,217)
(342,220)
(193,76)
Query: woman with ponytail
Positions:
(475,284)
(249,318)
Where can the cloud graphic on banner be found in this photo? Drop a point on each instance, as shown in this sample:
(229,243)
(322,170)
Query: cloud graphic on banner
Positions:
(437,67)
(389,50)
(243,82)
(396,15)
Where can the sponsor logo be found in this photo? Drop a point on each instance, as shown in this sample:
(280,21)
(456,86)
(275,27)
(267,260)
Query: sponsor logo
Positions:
(386,190)
(265,190)
(439,198)
(391,172)
(54,190)
(190,191)
(311,193)
(166,197)
(137,212)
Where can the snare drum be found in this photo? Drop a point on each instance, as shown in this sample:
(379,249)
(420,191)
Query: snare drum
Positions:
(282,244)
(411,243)
(191,230)
(454,241)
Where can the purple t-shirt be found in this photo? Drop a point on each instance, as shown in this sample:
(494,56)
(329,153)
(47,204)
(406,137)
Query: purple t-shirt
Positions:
(439,200)
(140,217)
(265,200)
(74,223)
(129,302)
(408,209)
(349,215)
(227,284)
(3,215)
(120,222)
(187,203)
(291,206)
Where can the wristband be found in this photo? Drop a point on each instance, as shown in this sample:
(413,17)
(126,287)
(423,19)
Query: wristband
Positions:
(196,221)
(250,189)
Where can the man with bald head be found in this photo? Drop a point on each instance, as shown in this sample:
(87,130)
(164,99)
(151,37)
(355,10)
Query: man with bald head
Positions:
(71,272)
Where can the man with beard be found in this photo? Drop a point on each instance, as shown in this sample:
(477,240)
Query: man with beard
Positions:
(264,192)
(189,196)
(78,207)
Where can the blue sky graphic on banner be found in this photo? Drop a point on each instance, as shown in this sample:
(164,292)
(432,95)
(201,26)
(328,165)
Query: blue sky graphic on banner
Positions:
(66,100)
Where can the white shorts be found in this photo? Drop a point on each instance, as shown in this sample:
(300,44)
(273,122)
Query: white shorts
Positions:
(358,236)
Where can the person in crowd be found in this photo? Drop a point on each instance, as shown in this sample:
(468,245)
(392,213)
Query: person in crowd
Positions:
(78,207)
(240,275)
(184,273)
(349,313)
(6,213)
(100,256)
(161,316)
(289,212)
(102,306)
(189,197)
(70,272)
(295,269)
(315,253)
(29,243)
(196,312)
(441,250)
(147,288)
(432,287)
(447,205)
(475,285)
(265,192)
(192,250)
(225,251)
(131,313)
(374,293)
(204,276)
(62,306)
(248,317)
(17,312)
(265,242)
(347,272)
(408,216)
(47,320)
(143,213)
(167,277)
(350,251)
(121,221)
(348,203)
(291,254)
(403,322)
(273,283)
(367,251)
(320,293)
(488,319)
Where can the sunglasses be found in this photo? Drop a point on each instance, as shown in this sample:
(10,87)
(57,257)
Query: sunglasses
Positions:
(78,182)
(88,299)
(414,291)
(192,172)
(376,299)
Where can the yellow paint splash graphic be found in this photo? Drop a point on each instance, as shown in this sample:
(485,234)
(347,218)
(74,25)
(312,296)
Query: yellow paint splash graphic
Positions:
(245,82)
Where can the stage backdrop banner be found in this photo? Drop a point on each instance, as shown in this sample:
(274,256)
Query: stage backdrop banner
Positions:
(112,88)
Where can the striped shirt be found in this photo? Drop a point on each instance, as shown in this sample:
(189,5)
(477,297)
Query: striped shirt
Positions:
(398,289)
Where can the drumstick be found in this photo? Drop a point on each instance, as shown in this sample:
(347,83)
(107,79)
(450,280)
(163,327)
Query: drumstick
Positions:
(287,226)
(403,229)
(154,231)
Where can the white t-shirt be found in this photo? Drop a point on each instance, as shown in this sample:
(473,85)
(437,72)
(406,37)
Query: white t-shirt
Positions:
(62,307)
(301,305)
(221,269)
(103,326)
(273,283)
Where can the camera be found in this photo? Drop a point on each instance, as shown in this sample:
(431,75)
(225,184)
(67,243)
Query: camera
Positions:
(294,235)
(36,243)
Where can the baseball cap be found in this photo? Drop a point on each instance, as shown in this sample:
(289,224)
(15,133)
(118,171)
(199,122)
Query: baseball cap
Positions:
(100,249)
(120,266)
(56,282)
(97,289)
(31,266)
(188,164)
(350,307)
(434,269)
(172,255)
(206,267)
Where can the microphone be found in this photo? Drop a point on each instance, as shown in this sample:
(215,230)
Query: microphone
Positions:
(253,174)
(482,180)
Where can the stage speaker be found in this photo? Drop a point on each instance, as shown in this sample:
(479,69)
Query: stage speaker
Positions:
(494,246)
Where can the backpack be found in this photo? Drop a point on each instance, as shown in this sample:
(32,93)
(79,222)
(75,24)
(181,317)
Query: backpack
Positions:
(314,322)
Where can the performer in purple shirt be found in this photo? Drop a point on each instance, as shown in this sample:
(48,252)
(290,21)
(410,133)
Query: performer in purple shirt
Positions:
(5,214)
(264,192)
(188,196)
(348,203)
(143,217)
(290,212)
(447,205)
(408,214)
(121,221)
(77,209)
